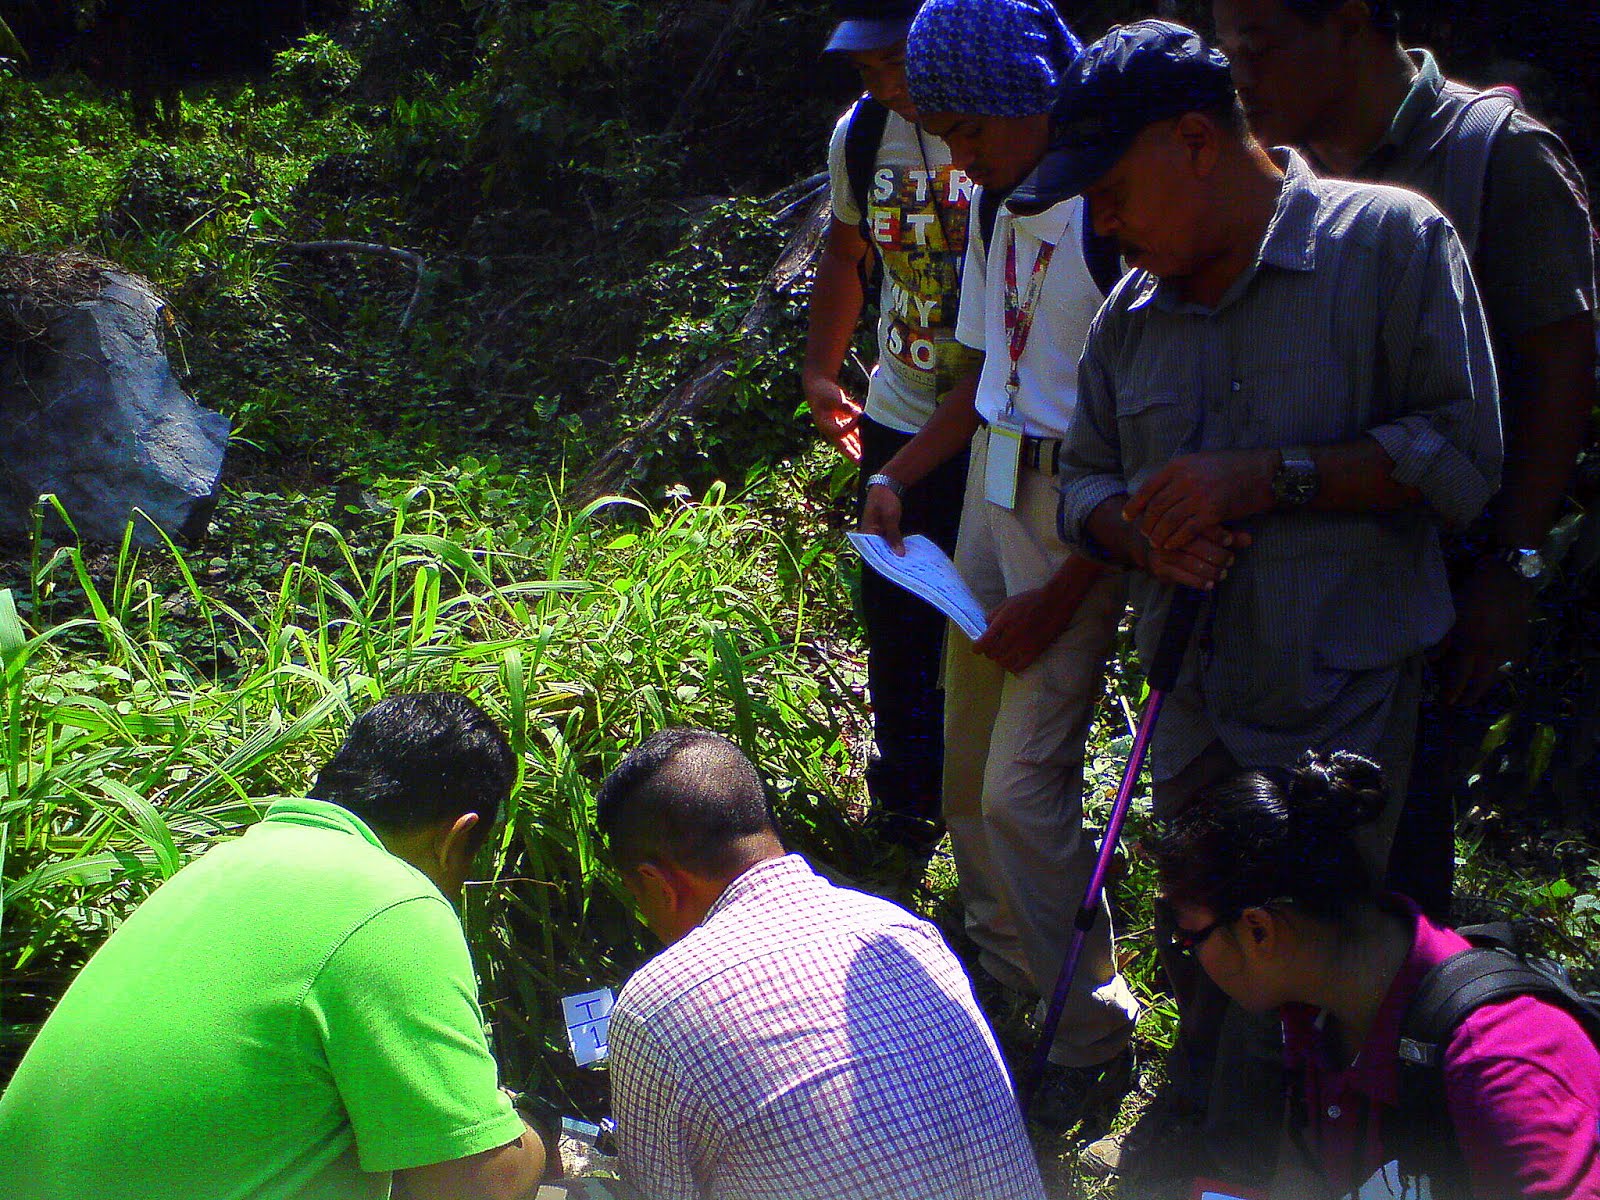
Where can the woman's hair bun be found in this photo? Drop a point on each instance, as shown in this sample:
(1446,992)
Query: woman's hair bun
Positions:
(1339,791)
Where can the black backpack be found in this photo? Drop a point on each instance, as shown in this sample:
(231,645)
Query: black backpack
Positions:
(1497,967)
(1420,1136)
(862,137)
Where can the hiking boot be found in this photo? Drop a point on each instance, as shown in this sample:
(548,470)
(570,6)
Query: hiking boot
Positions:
(1162,1146)
(1071,1096)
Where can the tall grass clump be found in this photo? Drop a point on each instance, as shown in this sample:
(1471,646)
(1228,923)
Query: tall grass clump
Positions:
(127,749)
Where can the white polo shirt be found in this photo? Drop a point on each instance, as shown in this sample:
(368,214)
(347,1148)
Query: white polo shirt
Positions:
(1068,302)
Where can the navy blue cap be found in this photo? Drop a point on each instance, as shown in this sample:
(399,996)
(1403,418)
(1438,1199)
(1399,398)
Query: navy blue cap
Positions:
(871,24)
(1136,75)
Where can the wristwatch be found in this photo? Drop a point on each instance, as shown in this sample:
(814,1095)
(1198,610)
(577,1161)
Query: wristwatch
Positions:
(1529,565)
(890,482)
(1296,481)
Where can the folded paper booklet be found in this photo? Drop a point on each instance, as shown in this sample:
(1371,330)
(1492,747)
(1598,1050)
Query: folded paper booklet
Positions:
(926,571)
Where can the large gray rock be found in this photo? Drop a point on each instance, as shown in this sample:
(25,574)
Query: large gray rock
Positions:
(92,412)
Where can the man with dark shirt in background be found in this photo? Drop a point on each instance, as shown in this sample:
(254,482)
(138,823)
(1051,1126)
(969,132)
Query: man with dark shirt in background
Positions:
(1331,78)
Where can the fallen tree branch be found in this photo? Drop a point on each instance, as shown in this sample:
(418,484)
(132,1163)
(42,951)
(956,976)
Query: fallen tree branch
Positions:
(800,189)
(411,258)
(616,467)
(819,188)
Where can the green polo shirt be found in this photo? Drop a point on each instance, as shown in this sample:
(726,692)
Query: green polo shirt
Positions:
(294,1014)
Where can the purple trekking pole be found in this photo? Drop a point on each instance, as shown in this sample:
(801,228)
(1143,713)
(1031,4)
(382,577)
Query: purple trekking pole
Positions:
(1163,674)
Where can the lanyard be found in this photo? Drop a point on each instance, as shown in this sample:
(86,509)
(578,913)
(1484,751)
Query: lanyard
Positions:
(1019,314)
(956,255)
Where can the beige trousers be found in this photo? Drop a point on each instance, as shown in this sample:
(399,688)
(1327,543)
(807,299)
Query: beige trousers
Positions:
(1013,771)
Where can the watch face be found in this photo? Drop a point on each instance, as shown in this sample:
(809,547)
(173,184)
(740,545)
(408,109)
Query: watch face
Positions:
(1529,563)
(1296,481)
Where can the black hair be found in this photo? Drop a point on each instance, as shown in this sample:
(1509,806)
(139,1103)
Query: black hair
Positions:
(411,762)
(1258,838)
(1231,117)
(686,796)
(1385,15)
(875,10)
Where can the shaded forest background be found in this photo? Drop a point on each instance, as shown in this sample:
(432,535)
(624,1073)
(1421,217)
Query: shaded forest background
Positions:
(549,160)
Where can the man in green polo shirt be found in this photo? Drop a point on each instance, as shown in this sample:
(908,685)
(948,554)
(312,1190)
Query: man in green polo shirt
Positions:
(294,1014)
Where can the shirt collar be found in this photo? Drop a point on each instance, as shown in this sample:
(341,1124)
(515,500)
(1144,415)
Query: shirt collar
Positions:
(1420,101)
(1290,242)
(767,876)
(1376,1069)
(1052,224)
(319,814)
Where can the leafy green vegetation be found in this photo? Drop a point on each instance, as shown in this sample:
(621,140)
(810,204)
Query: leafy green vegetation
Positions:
(168,715)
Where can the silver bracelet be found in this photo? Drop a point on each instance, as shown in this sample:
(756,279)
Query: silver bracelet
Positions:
(890,482)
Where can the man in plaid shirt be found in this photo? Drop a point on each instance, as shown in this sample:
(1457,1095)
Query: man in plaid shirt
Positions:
(795,1039)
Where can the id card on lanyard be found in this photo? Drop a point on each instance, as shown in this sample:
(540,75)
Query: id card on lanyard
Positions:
(1003,467)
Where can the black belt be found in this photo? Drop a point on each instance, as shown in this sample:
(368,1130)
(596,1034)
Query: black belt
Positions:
(1039,454)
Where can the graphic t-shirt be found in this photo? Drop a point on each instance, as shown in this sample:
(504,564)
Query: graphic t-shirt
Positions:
(917,210)
(292,1016)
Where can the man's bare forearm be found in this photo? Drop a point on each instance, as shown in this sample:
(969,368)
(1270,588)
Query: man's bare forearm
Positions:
(1117,539)
(1557,368)
(947,434)
(1357,476)
(836,301)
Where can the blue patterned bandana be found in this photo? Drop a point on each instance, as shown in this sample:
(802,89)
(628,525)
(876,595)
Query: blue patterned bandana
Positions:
(992,58)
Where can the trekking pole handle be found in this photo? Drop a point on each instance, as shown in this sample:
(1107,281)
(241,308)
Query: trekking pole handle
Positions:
(1173,643)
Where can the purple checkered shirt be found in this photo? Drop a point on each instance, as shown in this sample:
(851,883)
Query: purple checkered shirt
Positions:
(810,1041)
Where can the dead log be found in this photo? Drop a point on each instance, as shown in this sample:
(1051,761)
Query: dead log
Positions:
(613,470)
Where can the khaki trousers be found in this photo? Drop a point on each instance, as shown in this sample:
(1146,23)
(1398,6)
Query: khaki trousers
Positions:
(1013,771)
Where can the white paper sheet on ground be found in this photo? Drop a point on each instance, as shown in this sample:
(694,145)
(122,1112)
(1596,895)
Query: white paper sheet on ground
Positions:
(588,1018)
(926,571)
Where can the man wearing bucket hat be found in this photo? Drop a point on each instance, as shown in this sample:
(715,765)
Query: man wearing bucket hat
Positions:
(1018,702)
(1281,406)
(897,198)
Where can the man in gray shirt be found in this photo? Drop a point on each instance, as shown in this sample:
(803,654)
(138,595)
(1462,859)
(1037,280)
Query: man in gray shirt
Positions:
(1281,405)
(1331,77)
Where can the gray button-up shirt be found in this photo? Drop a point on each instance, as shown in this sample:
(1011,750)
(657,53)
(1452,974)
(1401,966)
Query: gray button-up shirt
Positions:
(1359,316)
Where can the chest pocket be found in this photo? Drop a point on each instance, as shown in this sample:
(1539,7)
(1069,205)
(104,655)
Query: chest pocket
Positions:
(1302,402)
(1154,428)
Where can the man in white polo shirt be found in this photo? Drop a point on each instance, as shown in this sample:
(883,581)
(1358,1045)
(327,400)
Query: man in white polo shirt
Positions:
(1019,700)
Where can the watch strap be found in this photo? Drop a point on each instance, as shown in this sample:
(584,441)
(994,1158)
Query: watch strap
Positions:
(888,481)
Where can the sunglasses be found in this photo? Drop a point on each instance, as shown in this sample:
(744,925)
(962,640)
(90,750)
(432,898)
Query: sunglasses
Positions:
(1188,941)
(1185,941)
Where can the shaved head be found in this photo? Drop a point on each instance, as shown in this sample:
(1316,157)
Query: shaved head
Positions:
(685,796)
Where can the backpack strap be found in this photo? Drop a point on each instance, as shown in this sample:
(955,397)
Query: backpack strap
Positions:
(1458,987)
(989,202)
(1422,1137)
(862,137)
(1471,141)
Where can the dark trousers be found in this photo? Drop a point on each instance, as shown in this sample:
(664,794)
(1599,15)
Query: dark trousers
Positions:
(1227,1062)
(905,641)
(1422,859)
